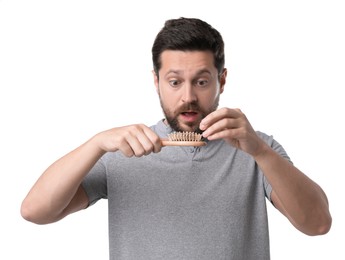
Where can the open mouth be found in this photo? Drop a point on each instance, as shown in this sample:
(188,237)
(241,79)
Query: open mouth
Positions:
(189,116)
(189,113)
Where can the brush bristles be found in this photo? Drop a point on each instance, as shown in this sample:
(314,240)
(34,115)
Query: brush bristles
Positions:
(185,136)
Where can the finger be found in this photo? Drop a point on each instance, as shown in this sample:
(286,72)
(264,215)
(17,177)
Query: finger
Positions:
(154,139)
(149,140)
(126,149)
(132,143)
(145,145)
(223,124)
(218,115)
(144,141)
(229,134)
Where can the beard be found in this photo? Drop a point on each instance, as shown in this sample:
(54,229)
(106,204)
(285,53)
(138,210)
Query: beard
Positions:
(172,116)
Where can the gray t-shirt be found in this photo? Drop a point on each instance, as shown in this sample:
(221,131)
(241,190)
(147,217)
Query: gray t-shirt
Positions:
(184,202)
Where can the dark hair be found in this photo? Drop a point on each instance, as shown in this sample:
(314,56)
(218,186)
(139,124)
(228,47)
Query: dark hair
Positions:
(188,34)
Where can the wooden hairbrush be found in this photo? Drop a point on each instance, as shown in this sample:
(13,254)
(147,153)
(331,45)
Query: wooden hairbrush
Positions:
(183,139)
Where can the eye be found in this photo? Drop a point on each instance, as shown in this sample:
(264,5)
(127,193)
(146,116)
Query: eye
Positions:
(202,83)
(174,83)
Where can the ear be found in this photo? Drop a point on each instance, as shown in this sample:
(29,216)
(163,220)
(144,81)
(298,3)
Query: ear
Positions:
(155,79)
(222,80)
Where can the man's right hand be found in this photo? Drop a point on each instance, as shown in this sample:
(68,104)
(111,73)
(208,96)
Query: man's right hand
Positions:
(132,140)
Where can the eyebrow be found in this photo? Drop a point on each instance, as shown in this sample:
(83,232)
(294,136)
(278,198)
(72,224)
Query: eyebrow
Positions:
(202,71)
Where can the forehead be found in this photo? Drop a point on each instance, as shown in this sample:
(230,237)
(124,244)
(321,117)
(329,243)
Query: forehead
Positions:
(187,61)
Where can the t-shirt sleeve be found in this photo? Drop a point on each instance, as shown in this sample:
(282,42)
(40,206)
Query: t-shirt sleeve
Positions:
(95,183)
(280,150)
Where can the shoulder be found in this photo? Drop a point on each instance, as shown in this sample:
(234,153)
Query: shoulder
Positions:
(264,136)
(274,144)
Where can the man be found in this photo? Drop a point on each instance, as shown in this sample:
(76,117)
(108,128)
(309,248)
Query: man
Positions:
(183,202)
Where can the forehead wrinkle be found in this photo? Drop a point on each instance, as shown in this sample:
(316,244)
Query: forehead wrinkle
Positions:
(181,72)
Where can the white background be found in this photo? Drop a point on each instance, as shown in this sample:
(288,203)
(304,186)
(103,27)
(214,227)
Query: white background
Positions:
(69,69)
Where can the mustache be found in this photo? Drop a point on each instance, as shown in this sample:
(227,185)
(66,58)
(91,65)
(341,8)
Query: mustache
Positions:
(188,106)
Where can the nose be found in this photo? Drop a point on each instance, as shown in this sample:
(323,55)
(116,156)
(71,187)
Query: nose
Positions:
(189,95)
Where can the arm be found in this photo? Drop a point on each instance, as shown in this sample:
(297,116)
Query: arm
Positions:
(58,192)
(300,199)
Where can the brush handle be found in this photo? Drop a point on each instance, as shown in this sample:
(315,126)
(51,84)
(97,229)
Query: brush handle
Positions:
(166,142)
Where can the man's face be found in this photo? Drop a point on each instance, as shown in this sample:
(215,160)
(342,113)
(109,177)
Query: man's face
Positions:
(188,87)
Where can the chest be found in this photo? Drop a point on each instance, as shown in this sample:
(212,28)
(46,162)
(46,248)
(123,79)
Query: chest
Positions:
(184,178)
